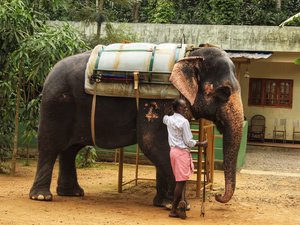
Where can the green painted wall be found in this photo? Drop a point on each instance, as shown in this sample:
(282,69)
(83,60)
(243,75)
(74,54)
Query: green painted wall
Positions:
(218,147)
(218,144)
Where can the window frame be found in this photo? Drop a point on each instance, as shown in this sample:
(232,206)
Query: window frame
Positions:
(261,101)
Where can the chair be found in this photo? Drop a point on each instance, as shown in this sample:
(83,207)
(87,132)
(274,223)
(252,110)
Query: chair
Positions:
(296,130)
(257,128)
(279,131)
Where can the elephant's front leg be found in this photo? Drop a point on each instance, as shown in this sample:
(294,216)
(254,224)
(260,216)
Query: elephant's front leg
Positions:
(153,140)
(40,189)
(165,184)
(67,184)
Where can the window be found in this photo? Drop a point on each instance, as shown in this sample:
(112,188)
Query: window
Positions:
(270,92)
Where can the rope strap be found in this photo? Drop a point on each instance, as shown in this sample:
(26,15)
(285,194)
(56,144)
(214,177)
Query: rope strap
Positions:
(93,114)
(136,88)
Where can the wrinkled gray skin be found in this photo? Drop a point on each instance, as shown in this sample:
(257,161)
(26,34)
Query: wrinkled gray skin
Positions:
(65,121)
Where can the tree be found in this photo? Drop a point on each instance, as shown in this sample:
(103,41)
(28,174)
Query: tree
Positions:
(98,11)
(161,11)
(225,11)
(16,23)
(192,12)
(31,49)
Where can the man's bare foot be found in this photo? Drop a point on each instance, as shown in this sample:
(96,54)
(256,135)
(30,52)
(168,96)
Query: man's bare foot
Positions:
(182,209)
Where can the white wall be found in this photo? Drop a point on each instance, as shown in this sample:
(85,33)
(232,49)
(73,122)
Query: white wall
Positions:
(261,38)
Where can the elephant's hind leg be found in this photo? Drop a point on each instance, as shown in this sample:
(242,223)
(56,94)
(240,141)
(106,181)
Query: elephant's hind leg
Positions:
(67,184)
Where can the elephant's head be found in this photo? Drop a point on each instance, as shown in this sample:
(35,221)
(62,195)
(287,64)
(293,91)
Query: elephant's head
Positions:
(207,80)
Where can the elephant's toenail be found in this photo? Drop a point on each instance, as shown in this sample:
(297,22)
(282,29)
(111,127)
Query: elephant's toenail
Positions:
(40,197)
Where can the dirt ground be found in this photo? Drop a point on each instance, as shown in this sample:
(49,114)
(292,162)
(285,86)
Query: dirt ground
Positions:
(260,198)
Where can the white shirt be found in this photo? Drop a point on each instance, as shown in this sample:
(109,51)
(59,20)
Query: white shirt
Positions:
(179,132)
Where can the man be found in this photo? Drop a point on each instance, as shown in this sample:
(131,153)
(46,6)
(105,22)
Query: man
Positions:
(180,140)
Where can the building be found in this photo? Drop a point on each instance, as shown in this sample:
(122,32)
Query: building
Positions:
(264,57)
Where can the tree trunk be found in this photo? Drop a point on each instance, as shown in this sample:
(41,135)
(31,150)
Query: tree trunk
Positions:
(135,12)
(16,133)
(278,4)
(27,155)
(99,6)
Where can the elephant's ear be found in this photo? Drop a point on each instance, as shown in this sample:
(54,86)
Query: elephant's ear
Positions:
(184,77)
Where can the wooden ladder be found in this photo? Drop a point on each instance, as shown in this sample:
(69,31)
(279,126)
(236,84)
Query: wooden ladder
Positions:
(203,129)
(200,129)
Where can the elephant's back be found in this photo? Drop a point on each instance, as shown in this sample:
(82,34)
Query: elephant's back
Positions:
(209,53)
(66,76)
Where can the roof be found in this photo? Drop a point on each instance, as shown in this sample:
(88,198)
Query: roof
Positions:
(249,54)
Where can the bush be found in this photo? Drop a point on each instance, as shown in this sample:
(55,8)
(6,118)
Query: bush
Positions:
(4,167)
(120,34)
(86,157)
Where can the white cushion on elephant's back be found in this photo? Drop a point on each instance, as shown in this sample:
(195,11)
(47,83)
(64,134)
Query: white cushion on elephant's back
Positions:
(167,55)
(142,57)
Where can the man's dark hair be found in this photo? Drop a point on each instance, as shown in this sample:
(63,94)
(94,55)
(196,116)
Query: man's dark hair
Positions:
(176,104)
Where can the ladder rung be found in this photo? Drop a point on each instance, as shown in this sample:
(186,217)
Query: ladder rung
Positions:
(196,162)
(202,171)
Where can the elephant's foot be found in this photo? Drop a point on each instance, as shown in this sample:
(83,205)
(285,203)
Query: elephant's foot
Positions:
(40,195)
(70,191)
(161,202)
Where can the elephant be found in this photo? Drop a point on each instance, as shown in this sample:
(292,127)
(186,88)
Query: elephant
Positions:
(205,79)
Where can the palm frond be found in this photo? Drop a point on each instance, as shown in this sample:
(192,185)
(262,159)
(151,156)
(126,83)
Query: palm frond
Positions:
(289,19)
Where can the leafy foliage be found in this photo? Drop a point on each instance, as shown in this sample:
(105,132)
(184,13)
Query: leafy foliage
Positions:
(35,57)
(4,167)
(248,12)
(86,157)
(192,12)
(29,49)
(17,22)
(161,11)
(7,112)
(120,34)
(82,10)
(225,11)
(291,8)
(297,61)
(76,11)
(49,43)
(118,12)
(267,13)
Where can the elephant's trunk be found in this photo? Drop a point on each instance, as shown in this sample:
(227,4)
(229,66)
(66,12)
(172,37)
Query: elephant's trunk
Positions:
(232,118)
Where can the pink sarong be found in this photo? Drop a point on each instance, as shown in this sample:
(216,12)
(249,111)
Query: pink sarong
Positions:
(182,164)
